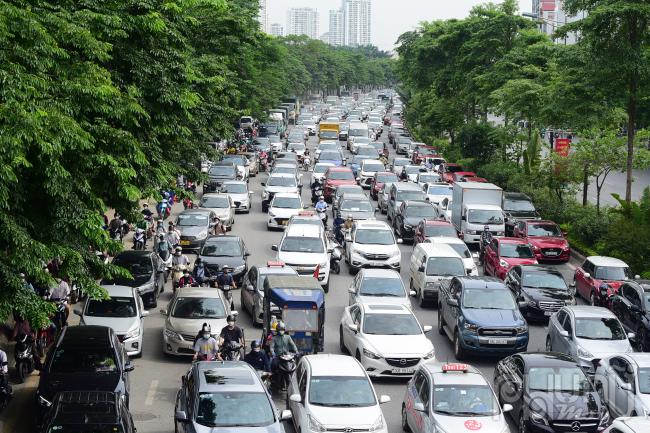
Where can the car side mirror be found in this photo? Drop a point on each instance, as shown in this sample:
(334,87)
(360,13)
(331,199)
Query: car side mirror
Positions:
(413,293)
(507,408)
(419,407)
(452,302)
(353,327)
(400,240)
(626,386)
(250,287)
(144,313)
(129,366)
(352,290)
(421,268)
(163,311)
(250,192)
(181,416)
(522,305)
(285,415)
(233,206)
(263,183)
(564,333)
(274,247)
(384,399)
(246,254)
(295,398)
(78,311)
(587,275)
(631,336)
(464,218)
(427,328)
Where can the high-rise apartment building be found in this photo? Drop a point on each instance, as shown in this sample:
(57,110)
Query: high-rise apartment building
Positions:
(357,26)
(276,29)
(263,17)
(552,16)
(337,29)
(303,21)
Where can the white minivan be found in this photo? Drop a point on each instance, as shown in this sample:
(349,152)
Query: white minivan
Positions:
(304,247)
(431,265)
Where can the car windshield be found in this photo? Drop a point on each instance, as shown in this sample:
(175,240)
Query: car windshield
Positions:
(616,273)
(439,190)
(599,328)
(234,188)
(198,308)
(282,181)
(382,287)
(137,268)
(285,170)
(330,156)
(374,237)
(518,205)
(328,134)
(296,146)
(515,251)
(302,245)
(487,299)
(234,409)
(88,358)
(461,249)
(369,153)
(356,132)
(410,195)
(321,168)
(340,175)
(215,202)
(226,248)
(373,167)
(355,189)
(440,230)
(397,162)
(558,379)
(362,140)
(544,230)
(429,177)
(383,178)
(390,324)
(287,203)
(237,160)
(464,400)
(420,212)
(356,206)
(341,391)
(644,380)
(116,306)
(543,280)
(222,170)
(478,216)
(192,220)
(445,266)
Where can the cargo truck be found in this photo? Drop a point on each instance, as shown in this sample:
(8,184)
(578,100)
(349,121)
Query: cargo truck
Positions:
(329,131)
(475,205)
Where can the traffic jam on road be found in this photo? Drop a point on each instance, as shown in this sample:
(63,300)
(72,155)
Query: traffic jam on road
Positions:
(332,274)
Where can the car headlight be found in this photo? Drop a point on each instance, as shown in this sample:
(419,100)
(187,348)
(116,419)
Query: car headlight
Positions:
(538,418)
(239,269)
(203,234)
(271,214)
(582,353)
(377,425)
(500,233)
(521,329)
(315,426)
(432,285)
(170,333)
(604,417)
(429,355)
(371,355)
(324,264)
(396,253)
(503,264)
(265,194)
(133,333)
(470,326)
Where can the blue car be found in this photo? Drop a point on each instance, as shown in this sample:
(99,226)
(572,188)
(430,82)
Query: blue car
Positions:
(333,157)
(355,164)
(481,316)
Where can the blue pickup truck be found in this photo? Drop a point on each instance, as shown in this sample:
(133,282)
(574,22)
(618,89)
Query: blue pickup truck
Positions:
(480,316)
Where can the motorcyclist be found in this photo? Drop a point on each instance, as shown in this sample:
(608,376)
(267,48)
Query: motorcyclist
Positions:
(281,344)
(61,293)
(218,227)
(486,238)
(201,272)
(180,258)
(164,248)
(257,357)
(206,346)
(186,279)
(4,371)
(338,232)
(316,185)
(321,209)
(231,332)
(225,281)
(349,222)
(172,237)
(115,227)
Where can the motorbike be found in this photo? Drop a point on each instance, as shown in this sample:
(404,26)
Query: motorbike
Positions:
(6,393)
(227,292)
(139,239)
(165,265)
(231,351)
(285,368)
(115,234)
(316,193)
(177,274)
(24,356)
(322,214)
(60,313)
(306,163)
(335,259)
(44,337)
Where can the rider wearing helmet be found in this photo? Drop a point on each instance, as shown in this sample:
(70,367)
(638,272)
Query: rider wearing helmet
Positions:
(257,357)
(231,332)
(205,345)
(179,258)
(186,279)
(225,281)
(486,238)
(282,343)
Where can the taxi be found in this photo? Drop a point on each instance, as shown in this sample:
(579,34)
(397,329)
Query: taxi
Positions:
(451,398)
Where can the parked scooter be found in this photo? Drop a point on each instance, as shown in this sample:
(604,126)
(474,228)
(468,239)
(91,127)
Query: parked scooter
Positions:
(24,356)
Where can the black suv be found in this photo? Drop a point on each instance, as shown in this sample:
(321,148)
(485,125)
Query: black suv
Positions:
(409,216)
(88,411)
(84,358)
(632,307)
(219,173)
(231,251)
(517,207)
(549,393)
(142,265)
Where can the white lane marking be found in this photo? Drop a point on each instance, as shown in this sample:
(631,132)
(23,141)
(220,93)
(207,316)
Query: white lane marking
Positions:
(153,388)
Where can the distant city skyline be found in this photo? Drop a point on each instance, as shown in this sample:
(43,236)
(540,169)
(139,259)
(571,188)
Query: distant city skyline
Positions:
(303,21)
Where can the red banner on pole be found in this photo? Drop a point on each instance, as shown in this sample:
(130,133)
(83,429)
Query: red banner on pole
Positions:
(562,146)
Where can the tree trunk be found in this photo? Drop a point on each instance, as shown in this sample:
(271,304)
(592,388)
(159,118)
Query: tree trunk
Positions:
(631,125)
(585,185)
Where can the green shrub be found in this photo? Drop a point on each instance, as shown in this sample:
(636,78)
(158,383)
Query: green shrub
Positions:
(500,173)
(629,242)
(469,164)
(586,224)
(476,141)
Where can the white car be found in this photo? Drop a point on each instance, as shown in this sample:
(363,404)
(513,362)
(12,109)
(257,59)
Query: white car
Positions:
(623,382)
(318,173)
(239,194)
(437,191)
(282,207)
(326,145)
(461,248)
(276,143)
(367,171)
(278,183)
(412,172)
(427,178)
(332,393)
(297,148)
(123,311)
(355,142)
(383,286)
(397,165)
(452,398)
(222,205)
(372,244)
(636,424)
(388,340)
(444,208)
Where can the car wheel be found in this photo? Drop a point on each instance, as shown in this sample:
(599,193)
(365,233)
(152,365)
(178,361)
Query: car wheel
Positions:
(459,352)
(549,346)
(441,323)
(351,269)
(342,347)
(421,302)
(326,287)
(522,423)
(405,423)
(153,300)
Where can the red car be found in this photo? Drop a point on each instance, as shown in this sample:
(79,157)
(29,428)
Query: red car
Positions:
(475,179)
(504,253)
(432,229)
(335,177)
(597,270)
(422,152)
(379,180)
(460,176)
(547,239)
(448,171)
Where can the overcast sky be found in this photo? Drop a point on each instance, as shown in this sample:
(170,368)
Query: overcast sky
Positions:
(390,18)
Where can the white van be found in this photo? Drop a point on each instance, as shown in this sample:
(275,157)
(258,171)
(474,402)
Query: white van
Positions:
(431,265)
(304,247)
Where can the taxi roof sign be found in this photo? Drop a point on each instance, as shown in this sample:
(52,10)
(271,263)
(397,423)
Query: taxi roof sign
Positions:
(272,263)
(455,367)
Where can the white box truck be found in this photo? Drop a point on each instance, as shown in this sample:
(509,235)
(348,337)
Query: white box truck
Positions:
(475,205)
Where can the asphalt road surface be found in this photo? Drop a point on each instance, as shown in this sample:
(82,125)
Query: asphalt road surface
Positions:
(157,377)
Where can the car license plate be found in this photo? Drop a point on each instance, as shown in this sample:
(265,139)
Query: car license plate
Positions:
(552,253)
(548,313)
(497,341)
(402,370)
(185,242)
